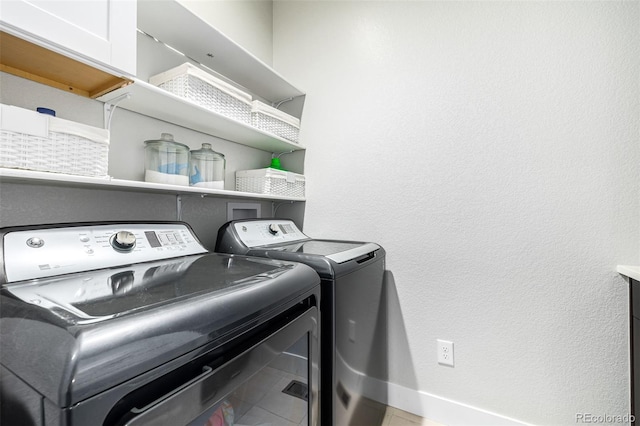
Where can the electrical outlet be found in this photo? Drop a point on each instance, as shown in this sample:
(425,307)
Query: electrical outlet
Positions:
(445,352)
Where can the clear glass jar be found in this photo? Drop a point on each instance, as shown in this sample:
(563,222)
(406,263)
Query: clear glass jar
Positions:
(207,168)
(166,161)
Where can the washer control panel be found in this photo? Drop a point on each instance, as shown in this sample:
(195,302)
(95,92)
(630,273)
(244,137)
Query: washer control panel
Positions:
(40,253)
(264,232)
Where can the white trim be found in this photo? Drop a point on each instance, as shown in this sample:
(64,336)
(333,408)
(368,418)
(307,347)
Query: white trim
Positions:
(433,407)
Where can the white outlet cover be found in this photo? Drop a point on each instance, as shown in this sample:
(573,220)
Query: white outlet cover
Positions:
(445,352)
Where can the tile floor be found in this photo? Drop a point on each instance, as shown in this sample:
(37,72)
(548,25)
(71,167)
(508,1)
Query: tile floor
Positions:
(396,417)
(261,402)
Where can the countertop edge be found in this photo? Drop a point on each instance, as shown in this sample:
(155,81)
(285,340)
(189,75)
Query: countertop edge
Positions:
(629,271)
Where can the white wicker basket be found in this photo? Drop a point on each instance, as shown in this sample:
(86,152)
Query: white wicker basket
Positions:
(212,93)
(274,121)
(270,181)
(34,141)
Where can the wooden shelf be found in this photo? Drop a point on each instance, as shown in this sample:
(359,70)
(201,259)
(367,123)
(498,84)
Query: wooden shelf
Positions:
(29,176)
(158,103)
(27,60)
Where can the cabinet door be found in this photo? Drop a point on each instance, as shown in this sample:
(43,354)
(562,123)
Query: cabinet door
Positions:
(98,30)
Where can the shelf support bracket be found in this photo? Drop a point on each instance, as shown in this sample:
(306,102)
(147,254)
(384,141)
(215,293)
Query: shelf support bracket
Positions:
(276,105)
(110,107)
(278,154)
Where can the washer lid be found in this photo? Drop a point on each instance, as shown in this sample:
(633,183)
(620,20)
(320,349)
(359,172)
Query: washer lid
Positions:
(99,295)
(338,251)
(99,329)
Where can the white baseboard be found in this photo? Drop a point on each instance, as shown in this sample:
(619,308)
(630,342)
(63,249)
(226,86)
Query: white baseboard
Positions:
(433,407)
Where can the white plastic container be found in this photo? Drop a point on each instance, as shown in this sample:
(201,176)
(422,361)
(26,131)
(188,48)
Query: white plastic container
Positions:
(270,181)
(272,120)
(33,141)
(206,90)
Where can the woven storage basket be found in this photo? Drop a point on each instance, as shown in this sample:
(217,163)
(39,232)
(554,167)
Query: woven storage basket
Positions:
(274,121)
(270,181)
(34,141)
(212,93)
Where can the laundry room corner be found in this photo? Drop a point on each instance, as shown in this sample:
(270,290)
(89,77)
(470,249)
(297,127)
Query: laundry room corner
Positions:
(319,213)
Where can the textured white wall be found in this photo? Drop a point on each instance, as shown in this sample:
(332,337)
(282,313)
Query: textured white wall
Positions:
(493,149)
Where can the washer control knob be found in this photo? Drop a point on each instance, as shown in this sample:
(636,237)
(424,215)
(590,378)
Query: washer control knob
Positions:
(273,229)
(123,241)
(35,242)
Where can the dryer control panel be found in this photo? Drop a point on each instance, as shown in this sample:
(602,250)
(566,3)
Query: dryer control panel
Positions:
(38,253)
(257,233)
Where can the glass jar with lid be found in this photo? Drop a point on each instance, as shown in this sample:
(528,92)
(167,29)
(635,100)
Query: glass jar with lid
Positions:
(166,161)
(207,168)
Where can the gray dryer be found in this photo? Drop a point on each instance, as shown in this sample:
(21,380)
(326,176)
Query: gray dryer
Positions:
(353,329)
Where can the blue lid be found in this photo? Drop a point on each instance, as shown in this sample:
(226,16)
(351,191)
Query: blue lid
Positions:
(48,111)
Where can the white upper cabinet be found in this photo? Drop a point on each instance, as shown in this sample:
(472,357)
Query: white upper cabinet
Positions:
(102,32)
